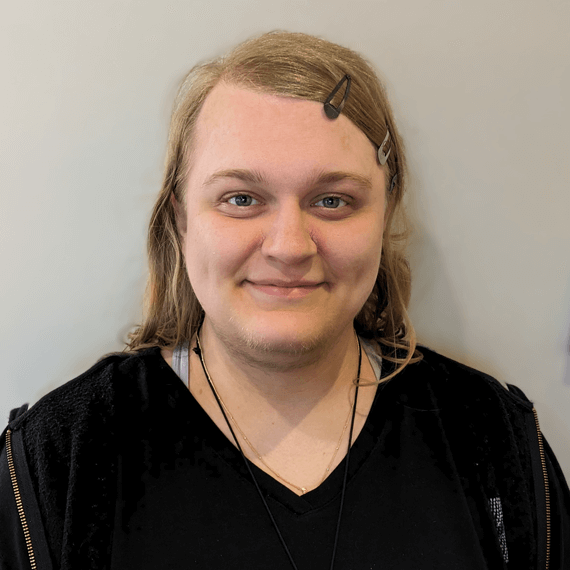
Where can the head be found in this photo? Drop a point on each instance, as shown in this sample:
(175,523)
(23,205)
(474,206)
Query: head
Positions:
(295,66)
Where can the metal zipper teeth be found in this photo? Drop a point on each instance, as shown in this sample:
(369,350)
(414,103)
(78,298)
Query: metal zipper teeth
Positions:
(546,488)
(18,497)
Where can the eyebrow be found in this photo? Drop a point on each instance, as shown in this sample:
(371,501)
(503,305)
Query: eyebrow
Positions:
(255,177)
(252,176)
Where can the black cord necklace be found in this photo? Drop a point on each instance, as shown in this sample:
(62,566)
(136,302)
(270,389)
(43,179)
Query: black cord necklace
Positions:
(198,351)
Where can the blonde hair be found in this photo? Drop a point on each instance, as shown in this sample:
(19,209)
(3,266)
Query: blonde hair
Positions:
(303,67)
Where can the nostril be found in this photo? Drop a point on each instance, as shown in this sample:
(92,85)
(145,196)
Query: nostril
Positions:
(289,242)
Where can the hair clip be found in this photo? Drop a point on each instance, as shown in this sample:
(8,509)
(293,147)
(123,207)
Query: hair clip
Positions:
(383,156)
(331,111)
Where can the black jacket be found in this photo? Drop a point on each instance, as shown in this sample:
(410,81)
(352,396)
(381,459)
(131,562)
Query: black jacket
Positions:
(58,460)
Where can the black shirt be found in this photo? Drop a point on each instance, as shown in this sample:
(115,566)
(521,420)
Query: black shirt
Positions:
(195,506)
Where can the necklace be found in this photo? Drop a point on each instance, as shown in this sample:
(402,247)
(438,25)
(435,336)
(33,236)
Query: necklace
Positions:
(223,409)
(303,490)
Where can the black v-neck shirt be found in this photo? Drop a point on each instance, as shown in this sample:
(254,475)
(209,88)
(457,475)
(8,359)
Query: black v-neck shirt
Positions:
(186,499)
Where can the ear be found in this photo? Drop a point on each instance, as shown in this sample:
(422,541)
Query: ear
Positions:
(180,214)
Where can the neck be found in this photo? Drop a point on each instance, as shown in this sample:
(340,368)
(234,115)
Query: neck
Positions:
(286,382)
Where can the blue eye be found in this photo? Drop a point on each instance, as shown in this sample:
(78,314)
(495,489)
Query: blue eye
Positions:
(331,202)
(242,200)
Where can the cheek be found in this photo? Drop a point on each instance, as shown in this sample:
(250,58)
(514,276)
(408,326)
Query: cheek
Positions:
(354,257)
(215,251)
(365,265)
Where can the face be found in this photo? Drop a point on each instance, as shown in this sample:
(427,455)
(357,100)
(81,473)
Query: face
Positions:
(284,221)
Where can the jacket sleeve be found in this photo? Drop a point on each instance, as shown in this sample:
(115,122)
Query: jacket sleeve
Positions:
(23,543)
(558,495)
(13,551)
(559,512)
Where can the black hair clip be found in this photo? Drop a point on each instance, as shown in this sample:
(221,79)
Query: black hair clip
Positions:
(331,111)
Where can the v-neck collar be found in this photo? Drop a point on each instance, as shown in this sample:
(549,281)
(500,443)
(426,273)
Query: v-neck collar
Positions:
(315,499)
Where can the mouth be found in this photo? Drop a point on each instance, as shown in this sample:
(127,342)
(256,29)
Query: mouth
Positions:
(285,289)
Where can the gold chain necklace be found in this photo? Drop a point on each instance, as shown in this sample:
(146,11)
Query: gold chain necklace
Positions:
(302,490)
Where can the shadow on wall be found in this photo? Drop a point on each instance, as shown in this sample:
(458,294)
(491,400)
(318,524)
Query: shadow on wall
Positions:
(566,378)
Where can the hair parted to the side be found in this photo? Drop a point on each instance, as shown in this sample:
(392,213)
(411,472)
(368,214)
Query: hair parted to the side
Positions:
(290,65)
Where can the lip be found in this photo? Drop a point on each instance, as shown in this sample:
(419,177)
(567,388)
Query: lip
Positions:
(285,283)
(285,289)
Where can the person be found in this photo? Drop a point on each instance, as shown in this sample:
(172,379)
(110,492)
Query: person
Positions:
(274,409)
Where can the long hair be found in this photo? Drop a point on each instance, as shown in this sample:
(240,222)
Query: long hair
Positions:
(303,67)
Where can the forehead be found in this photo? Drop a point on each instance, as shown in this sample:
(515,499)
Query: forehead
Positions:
(279,136)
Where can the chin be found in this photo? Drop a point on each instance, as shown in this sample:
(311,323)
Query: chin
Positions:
(289,335)
(283,345)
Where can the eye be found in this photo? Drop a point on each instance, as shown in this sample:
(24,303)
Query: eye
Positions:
(242,200)
(331,202)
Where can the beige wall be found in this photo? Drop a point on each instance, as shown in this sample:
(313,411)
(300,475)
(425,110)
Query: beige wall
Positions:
(481,90)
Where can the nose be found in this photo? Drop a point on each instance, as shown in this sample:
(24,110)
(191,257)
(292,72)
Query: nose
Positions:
(288,237)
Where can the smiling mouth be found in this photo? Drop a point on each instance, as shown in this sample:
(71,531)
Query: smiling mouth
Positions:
(289,290)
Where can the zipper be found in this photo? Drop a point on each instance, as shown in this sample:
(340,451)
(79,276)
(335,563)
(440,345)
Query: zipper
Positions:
(546,488)
(18,498)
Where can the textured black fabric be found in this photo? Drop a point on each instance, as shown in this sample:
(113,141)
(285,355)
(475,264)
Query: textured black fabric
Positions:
(69,440)
(109,436)
(16,550)
(560,513)
(13,552)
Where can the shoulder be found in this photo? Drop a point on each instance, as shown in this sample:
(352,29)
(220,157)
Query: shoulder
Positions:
(67,441)
(441,382)
(91,397)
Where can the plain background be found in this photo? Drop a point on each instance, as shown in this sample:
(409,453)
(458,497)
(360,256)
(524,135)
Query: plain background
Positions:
(480,90)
